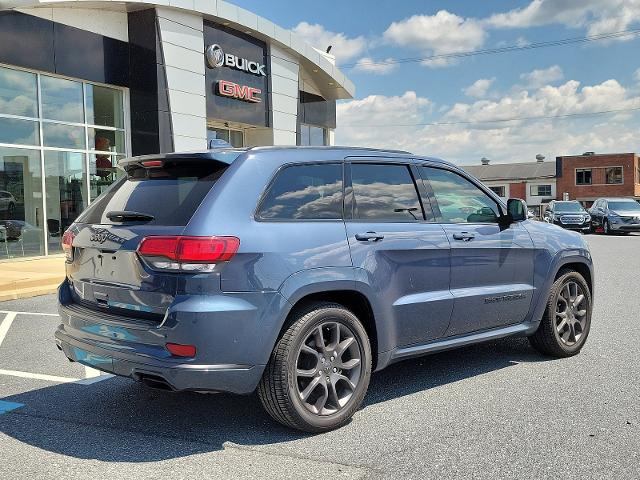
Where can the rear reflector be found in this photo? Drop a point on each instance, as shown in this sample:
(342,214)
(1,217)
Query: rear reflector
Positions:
(187,253)
(152,164)
(67,244)
(178,350)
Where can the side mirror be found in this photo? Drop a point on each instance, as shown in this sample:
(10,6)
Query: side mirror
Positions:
(516,210)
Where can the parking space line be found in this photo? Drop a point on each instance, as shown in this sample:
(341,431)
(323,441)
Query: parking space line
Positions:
(39,376)
(8,406)
(6,323)
(29,313)
(91,372)
(92,375)
(92,380)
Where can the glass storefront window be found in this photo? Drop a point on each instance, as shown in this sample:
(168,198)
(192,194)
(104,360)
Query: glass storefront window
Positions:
(104,106)
(20,132)
(18,93)
(66,194)
(103,172)
(63,136)
(21,212)
(106,140)
(78,135)
(312,136)
(61,99)
(235,138)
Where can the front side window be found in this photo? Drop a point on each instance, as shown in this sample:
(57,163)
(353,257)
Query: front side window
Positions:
(304,192)
(613,175)
(384,193)
(459,200)
(583,176)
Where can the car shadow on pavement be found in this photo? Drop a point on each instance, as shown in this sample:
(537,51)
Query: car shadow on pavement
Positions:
(118,420)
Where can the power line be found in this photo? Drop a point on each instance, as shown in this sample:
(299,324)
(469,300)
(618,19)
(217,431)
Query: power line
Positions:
(492,51)
(498,120)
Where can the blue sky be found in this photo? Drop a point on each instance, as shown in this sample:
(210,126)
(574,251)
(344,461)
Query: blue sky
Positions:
(566,80)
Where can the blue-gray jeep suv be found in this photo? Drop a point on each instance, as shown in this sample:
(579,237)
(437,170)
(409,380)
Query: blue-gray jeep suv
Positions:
(297,272)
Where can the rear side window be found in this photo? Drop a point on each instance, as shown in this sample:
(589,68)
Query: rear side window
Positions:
(384,193)
(304,192)
(170,194)
(459,200)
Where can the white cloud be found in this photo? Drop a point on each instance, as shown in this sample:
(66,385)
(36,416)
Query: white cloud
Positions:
(438,34)
(378,67)
(479,88)
(538,78)
(502,142)
(343,47)
(599,16)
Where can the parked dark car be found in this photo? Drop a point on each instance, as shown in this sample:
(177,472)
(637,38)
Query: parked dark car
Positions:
(615,215)
(297,272)
(568,214)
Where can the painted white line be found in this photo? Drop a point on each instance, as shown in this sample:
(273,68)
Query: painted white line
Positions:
(38,376)
(91,381)
(91,372)
(6,323)
(29,313)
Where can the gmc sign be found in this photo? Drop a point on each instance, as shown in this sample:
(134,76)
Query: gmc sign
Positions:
(240,92)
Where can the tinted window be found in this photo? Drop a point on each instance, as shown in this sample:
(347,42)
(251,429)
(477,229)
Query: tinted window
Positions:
(460,201)
(384,192)
(170,194)
(304,192)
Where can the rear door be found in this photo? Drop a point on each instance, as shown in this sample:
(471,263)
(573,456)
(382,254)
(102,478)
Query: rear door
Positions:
(106,272)
(398,249)
(491,266)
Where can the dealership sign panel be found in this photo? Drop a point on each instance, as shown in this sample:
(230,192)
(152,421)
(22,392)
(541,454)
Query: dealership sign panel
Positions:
(236,76)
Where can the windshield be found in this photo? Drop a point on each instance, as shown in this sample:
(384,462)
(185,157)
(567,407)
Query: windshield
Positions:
(568,207)
(628,206)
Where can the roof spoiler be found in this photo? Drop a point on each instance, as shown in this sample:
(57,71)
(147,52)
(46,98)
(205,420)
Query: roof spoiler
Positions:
(225,156)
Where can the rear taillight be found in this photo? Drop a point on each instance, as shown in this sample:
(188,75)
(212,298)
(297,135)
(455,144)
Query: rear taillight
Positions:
(195,254)
(179,350)
(67,244)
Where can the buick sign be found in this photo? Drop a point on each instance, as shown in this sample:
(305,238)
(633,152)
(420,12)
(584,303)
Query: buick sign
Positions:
(216,58)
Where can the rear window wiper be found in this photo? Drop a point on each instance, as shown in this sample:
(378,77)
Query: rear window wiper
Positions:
(122,216)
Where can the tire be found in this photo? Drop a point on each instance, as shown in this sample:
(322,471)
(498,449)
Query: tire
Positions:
(281,388)
(548,339)
(605,227)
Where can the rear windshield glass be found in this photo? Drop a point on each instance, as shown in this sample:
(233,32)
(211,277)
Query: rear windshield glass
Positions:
(170,194)
(568,207)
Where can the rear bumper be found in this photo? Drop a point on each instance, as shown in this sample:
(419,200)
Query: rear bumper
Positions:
(241,379)
(234,335)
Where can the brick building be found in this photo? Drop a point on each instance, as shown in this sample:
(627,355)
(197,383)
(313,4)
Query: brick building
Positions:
(590,176)
(533,182)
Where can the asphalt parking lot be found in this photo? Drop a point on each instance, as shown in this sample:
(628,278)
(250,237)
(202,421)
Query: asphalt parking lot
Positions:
(488,411)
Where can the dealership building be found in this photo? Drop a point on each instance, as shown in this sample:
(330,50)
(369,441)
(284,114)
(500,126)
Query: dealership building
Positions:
(85,83)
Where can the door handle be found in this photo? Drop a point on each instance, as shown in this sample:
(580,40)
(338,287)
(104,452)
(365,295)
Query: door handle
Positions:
(369,237)
(464,236)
